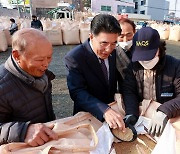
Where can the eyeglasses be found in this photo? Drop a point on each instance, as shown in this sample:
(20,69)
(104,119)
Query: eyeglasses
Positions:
(105,44)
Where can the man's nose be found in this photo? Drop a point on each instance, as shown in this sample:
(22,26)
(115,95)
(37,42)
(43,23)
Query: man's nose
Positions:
(109,48)
(45,63)
(125,39)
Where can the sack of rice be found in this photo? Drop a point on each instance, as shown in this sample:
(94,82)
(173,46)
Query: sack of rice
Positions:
(26,23)
(47,24)
(70,32)
(174,34)
(84,35)
(163,32)
(84,31)
(3,41)
(54,36)
(142,145)
(8,37)
(154,25)
(76,135)
(71,36)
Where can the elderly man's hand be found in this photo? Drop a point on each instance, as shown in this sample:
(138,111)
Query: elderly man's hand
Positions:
(114,119)
(39,134)
(157,123)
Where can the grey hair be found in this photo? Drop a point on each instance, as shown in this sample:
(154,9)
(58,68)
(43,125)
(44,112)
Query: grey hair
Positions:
(26,38)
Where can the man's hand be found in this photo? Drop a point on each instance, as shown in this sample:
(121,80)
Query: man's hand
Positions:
(130,120)
(157,123)
(114,119)
(39,134)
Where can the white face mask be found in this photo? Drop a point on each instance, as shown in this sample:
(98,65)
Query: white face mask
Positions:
(125,45)
(149,64)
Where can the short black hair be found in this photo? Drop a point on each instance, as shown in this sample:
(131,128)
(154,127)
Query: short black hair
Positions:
(105,23)
(162,49)
(33,16)
(12,20)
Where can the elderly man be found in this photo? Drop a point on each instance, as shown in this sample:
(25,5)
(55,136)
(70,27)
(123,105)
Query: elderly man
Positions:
(92,74)
(25,90)
(124,47)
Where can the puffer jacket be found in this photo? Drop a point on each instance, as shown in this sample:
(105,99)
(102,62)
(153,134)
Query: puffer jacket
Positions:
(20,105)
(167,81)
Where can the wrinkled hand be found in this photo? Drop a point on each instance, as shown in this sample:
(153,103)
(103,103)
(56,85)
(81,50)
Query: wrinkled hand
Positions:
(39,134)
(157,123)
(114,119)
(130,120)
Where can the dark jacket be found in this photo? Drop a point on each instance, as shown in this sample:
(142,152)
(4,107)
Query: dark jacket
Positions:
(37,24)
(86,82)
(122,60)
(21,104)
(13,28)
(167,83)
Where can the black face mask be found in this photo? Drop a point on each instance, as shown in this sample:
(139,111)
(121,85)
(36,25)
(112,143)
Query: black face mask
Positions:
(34,19)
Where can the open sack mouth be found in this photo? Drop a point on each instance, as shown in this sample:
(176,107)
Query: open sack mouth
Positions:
(128,136)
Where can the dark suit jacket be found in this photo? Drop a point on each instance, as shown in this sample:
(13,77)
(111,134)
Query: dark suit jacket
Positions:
(86,82)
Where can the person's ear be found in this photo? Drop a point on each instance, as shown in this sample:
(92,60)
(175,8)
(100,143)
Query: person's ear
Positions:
(16,55)
(91,36)
(157,53)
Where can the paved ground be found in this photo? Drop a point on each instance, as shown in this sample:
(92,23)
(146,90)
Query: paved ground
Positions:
(62,102)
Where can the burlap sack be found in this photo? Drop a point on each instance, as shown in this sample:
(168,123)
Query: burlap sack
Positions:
(75,135)
(144,144)
(174,34)
(8,37)
(176,124)
(3,41)
(84,34)
(163,32)
(56,25)
(84,31)
(4,22)
(47,24)
(70,31)
(54,36)
(154,26)
(78,16)
(71,36)
(25,23)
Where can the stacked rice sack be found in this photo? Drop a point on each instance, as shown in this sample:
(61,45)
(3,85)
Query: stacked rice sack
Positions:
(174,33)
(84,28)
(163,30)
(3,41)
(4,24)
(70,31)
(167,32)
(52,30)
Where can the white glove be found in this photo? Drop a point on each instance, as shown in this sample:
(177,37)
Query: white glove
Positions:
(157,123)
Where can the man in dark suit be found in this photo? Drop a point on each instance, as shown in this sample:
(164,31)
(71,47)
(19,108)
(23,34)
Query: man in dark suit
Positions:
(92,75)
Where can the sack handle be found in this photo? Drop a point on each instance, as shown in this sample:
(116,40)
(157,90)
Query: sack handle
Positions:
(46,149)
(75,148)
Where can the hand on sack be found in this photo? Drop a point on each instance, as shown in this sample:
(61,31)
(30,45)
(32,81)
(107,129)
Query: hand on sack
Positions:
(130,120)
(157,124)
(114,119)
(39,134)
